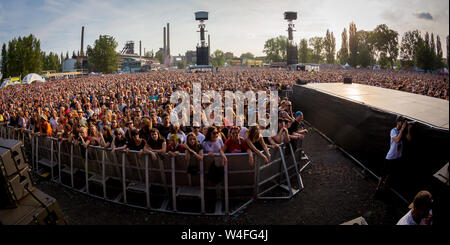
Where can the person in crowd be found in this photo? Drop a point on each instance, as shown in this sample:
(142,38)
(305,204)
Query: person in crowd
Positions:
(213,144)
(95,136)
(193,150)
(174,146)
(44,128)
(119,141)
(236,144)
(136,143)
(256,143)
(176,130)
(196,131)
(145,130)
(84,138)
(296,129)
(283,134)
(106,137)
(157,144)
(165,128)
(420,212)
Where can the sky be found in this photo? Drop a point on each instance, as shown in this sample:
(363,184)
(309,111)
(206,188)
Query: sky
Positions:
(237,26)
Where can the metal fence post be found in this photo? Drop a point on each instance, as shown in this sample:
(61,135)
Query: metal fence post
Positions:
(59,161)
(147,184)
(124,185)
(226,188)
(71,164)
(202,187)
(86,169)
(103,173)
(174,196)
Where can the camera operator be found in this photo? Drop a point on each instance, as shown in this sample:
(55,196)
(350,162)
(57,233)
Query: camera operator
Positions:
(394,156)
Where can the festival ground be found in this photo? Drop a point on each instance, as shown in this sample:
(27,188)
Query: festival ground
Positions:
(335,191)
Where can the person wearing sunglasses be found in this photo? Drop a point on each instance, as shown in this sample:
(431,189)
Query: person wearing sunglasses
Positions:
(236,144)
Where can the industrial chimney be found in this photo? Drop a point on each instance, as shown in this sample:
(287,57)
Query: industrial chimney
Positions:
(82,41)
(164,37)
(140,49)
(168,40)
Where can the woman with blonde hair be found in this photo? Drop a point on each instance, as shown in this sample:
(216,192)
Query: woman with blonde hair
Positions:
(256,143)
(193,147)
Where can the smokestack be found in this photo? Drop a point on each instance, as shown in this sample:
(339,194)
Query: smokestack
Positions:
(165,50)
(209,45)
(82,41)
(168,40)
(140,49)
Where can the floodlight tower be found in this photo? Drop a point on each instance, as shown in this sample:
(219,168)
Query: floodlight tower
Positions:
(203,49)
(292,52)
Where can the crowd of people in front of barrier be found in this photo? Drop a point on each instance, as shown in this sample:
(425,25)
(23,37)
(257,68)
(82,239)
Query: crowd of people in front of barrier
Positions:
(131,112)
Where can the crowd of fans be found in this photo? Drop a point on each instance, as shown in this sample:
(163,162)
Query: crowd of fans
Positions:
(131,112)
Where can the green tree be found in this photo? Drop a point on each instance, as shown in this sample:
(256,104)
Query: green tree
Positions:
(149,54)
(275,49)
(317,44)
(78,65)
(365,48)
(181,64)
(385,43)
(438,56)
(329,44)
(4,63)
(303,52)
(160,56)
(218,58)
(67,56)
(353,45)
(342,54)
(423,55)
(408,46)
(103,55)
(50,62)
(448,53)
(432,44)
(247,55)
(23,56)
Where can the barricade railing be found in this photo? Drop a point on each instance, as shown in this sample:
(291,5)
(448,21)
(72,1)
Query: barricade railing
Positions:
(166,181)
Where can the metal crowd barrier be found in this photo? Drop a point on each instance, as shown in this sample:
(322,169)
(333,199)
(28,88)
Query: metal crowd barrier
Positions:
(164,184)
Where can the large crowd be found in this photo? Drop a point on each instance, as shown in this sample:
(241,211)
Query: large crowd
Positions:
(132,111)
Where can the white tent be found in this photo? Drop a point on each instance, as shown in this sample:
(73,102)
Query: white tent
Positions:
(32,77)
(346,66)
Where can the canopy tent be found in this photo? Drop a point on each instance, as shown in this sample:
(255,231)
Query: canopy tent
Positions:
(346,66)
(32,77)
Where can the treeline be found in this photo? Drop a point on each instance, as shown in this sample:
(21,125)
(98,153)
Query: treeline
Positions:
(23,55)
(380,46)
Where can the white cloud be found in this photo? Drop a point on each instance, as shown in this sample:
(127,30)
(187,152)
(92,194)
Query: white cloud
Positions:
(234,25)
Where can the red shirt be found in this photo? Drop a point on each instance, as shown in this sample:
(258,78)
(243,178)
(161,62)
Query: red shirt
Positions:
(236,146)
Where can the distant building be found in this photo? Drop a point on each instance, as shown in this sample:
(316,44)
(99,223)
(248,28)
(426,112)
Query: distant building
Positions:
(229,56)
(69,65)
(191,57)
(236,62)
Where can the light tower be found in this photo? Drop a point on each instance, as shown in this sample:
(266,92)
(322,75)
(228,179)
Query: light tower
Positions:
(292,51)
(203,49)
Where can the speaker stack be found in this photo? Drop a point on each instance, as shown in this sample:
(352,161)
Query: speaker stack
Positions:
(347,80)
(20,201)
(15,173)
